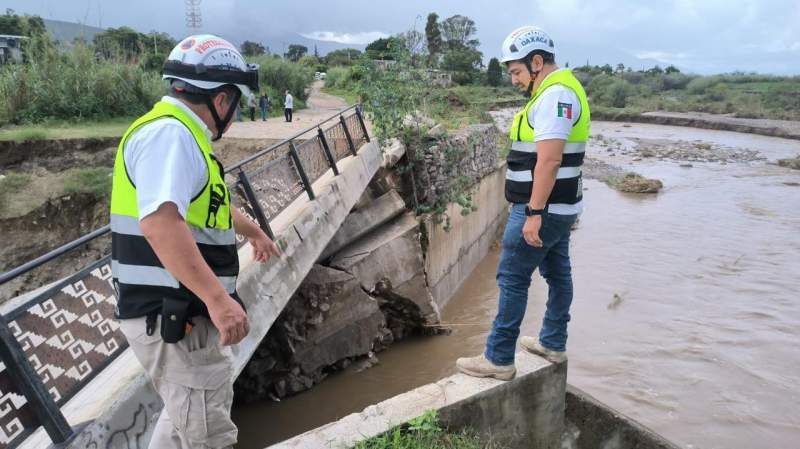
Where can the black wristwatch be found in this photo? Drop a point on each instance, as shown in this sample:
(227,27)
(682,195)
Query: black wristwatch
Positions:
(530,212)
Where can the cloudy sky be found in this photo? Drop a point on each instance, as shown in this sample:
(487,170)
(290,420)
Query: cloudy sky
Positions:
(701,36)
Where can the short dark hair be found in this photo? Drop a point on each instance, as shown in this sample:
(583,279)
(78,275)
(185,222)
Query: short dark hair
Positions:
(197,96)
(547,57)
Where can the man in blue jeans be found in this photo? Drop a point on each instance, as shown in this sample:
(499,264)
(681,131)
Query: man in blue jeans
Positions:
(543,183)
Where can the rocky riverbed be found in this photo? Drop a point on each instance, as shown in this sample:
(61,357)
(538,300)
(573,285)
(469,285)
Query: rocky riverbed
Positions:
(670,150)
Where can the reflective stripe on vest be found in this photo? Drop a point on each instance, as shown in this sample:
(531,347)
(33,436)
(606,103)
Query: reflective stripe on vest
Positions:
(139,276)
(522,157)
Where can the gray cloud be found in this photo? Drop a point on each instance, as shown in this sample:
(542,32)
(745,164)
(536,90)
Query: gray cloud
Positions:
(703,36)
(362,38)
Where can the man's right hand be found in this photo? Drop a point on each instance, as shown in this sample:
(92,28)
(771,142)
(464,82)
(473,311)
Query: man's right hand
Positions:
(230,320)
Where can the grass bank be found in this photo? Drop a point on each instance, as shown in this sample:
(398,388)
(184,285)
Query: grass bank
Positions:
(62,129)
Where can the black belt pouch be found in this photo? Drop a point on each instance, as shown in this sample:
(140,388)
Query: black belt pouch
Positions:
(174,316)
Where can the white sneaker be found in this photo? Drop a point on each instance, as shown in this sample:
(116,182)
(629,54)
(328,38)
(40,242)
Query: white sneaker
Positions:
(481,367)
(532,345)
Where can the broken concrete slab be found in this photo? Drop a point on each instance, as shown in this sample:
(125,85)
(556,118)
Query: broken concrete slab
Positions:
(329,319)
(390,259)
(364,220)
(392,153)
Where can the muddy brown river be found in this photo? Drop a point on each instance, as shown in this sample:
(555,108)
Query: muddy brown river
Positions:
(686,314)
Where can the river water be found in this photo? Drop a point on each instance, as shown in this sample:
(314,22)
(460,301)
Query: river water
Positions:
(686,314)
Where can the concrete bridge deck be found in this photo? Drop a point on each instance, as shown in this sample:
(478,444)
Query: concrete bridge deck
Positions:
(120,404)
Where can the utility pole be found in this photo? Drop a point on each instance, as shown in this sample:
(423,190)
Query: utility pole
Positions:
(194,17)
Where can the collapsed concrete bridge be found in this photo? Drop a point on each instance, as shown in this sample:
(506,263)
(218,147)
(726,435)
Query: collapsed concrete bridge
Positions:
(373,272)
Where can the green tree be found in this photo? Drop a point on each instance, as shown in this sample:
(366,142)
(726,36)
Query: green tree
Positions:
(11,23)
(671,69)
(309,61)
(414,43)
(461,54)
(433,38)
(250,48)
(35,26)
(157,47)
(459,32)
(384,48)
(343,57)
(122,42)
(296,52)
(494,74)
(31,26)
(464,63)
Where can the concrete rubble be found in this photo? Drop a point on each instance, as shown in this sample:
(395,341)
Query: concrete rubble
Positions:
(372,293)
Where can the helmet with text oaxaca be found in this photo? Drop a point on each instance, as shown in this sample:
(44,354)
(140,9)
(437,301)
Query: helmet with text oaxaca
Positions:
(522,41)
(208,62)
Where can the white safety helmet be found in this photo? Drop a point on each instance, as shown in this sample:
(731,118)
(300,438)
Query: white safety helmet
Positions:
(524,40)
(207,62)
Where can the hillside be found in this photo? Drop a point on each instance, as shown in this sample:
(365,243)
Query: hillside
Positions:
(66,32)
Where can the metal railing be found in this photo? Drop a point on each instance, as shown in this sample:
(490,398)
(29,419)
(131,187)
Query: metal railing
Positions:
(58,341)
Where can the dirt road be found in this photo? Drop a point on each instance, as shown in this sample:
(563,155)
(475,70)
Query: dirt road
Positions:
(320,106)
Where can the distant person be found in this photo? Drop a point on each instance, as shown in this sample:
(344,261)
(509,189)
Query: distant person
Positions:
(288,105)
(251,103)
(263,103)
(543,183)
(173,252)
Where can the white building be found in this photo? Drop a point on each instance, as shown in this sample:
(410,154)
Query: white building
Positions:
(10,51)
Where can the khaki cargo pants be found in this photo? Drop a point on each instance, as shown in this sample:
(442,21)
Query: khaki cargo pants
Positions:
(194,378)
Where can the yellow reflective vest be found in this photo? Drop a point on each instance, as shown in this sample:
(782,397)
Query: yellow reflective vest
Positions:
(139,276)
(522,157)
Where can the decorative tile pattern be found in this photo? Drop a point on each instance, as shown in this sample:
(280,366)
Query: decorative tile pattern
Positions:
(69,335)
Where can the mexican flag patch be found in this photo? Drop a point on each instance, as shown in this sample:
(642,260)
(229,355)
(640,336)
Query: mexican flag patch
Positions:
(565,110)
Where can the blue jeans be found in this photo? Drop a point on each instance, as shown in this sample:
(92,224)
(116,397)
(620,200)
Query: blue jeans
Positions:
(518,260)
(263,113)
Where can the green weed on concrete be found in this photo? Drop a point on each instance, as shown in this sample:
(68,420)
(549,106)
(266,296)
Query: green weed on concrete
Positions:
(424,432)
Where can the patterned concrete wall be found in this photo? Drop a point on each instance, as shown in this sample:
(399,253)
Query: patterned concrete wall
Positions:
(68,334)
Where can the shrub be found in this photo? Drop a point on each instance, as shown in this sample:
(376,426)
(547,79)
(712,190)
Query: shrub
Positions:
(339,77)
(783,96)
(701,84)
(73,85)
(278,75)
(675,81)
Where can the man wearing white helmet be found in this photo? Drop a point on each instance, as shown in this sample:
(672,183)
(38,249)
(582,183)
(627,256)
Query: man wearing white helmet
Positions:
(173,234)
(543,183)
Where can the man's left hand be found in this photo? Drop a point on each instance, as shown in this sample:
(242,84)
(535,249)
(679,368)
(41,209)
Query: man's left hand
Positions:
(530,231)
(263,247)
